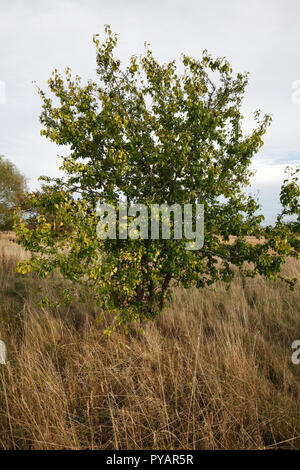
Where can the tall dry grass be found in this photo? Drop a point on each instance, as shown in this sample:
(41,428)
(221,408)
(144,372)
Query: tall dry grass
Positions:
(213,372)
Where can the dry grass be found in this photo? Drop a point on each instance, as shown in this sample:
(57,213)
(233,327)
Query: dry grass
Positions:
(213,372)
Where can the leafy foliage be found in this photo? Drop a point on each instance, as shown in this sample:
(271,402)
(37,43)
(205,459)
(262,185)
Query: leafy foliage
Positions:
(12,189)
(154,136)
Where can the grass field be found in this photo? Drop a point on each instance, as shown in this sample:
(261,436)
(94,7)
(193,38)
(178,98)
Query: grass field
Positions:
(214,371)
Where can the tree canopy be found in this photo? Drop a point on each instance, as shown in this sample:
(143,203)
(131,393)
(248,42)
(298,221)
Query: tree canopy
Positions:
(12,189)
(154,135)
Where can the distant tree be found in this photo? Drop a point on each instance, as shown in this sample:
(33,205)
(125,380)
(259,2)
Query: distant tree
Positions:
(12,190)
(156,136)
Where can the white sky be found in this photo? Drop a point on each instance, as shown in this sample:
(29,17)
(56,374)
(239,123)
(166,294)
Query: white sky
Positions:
(259,36)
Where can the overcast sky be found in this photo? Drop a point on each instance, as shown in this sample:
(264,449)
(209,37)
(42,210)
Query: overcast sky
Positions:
(259,36)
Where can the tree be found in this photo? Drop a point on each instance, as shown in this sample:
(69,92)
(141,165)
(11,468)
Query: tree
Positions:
(12,189)
(154,136)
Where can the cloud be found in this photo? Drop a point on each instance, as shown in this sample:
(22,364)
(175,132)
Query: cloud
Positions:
(260,37)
